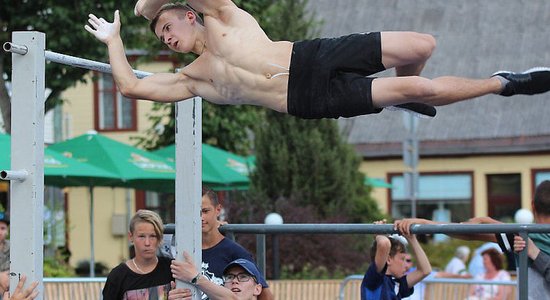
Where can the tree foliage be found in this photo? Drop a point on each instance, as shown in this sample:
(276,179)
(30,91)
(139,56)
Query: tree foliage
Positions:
(63,23)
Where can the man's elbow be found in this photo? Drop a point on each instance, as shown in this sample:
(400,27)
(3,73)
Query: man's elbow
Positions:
(129,91)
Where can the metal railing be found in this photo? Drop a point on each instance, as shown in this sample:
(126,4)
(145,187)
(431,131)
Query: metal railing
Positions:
(261,230)
(428,280)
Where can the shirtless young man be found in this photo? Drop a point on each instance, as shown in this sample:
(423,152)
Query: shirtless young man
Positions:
(324,78)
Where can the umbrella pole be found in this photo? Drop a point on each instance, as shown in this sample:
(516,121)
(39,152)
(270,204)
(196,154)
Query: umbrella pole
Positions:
(92,258)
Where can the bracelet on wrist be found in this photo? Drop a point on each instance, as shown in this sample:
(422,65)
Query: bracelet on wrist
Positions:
(195,279)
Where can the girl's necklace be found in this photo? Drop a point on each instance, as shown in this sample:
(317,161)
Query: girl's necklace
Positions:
(140,270)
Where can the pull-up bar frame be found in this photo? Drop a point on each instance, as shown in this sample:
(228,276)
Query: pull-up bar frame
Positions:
(27,187)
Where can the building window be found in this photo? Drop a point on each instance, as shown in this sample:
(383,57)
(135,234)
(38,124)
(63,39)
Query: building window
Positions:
(504,196)
(541,176)
(445,197)
(113,111)
(162,203)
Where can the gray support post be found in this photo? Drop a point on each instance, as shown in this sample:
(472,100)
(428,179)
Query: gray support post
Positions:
(27,153)
(522,276)
(410,158)
(260,253)
(189,183)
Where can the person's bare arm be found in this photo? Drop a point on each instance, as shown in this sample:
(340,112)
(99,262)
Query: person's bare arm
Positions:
(487,237)
(185,270)
(423,268)
(404,227)
(166,87)
(383,246)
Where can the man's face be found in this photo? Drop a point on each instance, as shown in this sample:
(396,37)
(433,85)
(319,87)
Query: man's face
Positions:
(3,231)
(174,28)
(397,265)
(209,215)
(247,288)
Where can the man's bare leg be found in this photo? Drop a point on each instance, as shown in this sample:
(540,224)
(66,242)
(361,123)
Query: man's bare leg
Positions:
(436,92)
(408,52)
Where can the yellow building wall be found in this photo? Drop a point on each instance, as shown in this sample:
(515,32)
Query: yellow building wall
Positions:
(480,166)
(78,118)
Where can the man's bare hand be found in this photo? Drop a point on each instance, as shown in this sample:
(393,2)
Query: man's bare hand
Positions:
(103,30)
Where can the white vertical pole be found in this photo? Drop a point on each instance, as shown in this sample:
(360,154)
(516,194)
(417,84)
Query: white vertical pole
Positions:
(189,183)
(27,153)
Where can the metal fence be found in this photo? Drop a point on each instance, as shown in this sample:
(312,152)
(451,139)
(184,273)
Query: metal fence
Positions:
(261,230)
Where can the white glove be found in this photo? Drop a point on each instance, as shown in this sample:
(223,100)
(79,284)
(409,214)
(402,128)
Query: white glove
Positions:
(103,30)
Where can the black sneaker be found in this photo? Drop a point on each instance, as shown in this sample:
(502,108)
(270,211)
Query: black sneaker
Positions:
(420,110)
(531,82)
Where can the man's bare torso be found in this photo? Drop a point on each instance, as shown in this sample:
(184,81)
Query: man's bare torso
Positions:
(241,65)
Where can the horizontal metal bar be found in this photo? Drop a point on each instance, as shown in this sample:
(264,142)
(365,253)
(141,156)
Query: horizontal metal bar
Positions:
(14,48)
(431,279)
(74,279)
(85,63)
(19,175)
(372,228)
(70,60)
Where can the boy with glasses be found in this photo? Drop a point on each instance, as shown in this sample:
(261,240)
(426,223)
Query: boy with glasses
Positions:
(241,281)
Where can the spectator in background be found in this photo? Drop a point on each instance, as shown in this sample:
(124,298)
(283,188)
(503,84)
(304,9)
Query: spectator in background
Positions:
(492,261)
(386,277)
(146,276)
(476,266)
(456,268)
(4,253)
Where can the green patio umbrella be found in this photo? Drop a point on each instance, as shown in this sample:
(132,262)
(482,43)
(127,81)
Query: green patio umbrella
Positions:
(221,170)
(61,171)
(136,168)
(376,182)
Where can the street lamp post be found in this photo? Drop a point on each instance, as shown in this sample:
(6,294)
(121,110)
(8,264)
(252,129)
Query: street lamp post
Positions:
(275,219)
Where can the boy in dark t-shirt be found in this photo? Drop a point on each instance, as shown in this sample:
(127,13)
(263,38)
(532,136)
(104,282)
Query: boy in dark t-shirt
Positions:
(385,278)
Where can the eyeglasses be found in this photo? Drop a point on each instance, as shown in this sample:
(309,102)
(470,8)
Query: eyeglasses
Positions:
(241,277)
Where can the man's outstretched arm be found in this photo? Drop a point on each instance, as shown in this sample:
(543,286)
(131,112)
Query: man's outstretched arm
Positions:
(148,8)
(158,87)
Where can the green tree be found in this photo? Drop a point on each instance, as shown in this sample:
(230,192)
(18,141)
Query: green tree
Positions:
(306,160)
(63,22)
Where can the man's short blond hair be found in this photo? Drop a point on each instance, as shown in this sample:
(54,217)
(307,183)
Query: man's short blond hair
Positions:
(178,7)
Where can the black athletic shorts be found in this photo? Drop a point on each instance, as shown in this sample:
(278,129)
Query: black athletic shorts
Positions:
(328,76)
